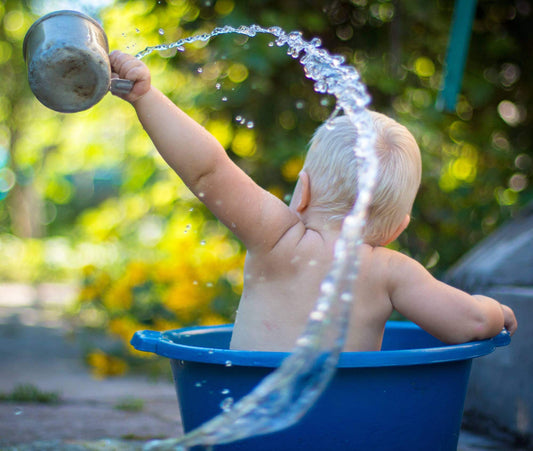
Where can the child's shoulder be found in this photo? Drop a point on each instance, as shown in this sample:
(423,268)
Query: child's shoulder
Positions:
(382,254)
(398,269)
(388,262)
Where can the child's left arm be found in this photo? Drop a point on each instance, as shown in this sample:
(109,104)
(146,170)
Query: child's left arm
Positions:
(448,313)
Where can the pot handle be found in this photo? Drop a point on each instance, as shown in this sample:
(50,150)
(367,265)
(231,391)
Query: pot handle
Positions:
(121,86)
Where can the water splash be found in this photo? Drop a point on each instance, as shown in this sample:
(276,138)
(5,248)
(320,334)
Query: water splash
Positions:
(284,396)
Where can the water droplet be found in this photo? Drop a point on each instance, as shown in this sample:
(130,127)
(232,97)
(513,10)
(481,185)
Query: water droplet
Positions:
(337,60)
(295,259)
(227,404)
(202,243)
(313,263)
(161,31)
(198,384)
(276,31)
(228,363)
(317,316)
(330,125)
(328,288)
(271,44)
(225,391)
(218,86)
(303,341)
(137,30)
(238,118)
(224,99)
(210,352)
(320,86)
(200,195)
(200,70)
(195,282)
(316,42)
(209,284)
(346,297)
(300,104)
(250,124)
(18,411)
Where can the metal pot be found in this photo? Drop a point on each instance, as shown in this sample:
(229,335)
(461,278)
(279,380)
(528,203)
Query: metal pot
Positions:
(68,64)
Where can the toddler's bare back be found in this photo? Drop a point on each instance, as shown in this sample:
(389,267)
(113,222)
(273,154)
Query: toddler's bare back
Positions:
(281,289)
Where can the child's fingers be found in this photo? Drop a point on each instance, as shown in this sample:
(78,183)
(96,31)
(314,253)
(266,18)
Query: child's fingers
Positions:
(118,61)
(511,324)
(128,67)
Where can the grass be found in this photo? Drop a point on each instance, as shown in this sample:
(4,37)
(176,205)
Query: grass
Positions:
(30,393)
(130,405)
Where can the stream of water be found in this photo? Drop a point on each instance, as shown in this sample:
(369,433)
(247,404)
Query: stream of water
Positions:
(284,396)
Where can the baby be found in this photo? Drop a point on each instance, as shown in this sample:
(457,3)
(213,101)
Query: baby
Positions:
(290,248)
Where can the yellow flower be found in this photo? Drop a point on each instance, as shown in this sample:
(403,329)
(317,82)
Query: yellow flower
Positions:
(89,271)
(137,273)
(124,327)
(103,365)
(185,298)
(88,293)
(119,296)
(164,325)
(212,319)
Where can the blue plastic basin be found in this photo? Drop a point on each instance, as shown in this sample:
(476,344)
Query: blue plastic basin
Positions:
(409,396)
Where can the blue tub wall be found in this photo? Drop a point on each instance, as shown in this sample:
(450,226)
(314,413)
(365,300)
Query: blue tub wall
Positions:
(405,407)
(410,396)
(363,408)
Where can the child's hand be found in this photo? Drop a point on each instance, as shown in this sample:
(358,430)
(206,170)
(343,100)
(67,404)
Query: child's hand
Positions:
(509,319)
(130,68)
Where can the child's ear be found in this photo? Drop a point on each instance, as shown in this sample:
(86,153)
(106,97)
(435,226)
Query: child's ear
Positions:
(302,193)
(399,230)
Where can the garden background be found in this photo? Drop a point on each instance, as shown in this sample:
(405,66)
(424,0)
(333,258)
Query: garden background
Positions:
(85,199)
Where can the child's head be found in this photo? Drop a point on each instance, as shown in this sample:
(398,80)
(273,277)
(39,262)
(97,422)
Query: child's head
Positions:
(333,172)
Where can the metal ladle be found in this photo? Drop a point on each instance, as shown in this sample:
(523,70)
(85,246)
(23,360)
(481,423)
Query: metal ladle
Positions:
(68,64)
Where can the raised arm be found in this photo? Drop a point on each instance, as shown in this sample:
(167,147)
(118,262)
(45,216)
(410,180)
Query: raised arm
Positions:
(448,313)
(254,215)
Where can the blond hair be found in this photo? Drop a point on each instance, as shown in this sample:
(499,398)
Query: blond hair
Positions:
(333,173)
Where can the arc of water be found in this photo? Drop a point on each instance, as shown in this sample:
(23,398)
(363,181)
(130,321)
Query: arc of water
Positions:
(284,396)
